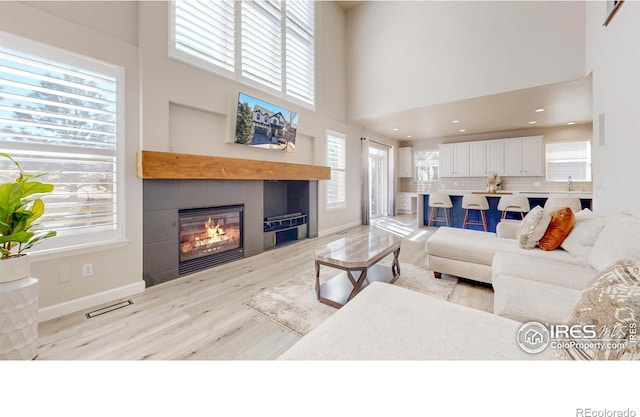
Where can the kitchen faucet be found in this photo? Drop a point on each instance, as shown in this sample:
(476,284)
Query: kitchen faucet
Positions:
(569,184)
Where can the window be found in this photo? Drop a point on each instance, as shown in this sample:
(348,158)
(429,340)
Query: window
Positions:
(336,159)
(427,164)
(60,113)
(269,43)
(568,159)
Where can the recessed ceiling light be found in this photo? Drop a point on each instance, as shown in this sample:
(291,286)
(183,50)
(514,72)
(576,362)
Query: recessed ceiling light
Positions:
(539,110)
(571,123)
(463,130)
(409,136)
(533,122)
(395,129)
(455,121)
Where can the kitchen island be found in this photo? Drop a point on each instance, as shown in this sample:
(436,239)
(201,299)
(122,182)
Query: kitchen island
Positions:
(536,198)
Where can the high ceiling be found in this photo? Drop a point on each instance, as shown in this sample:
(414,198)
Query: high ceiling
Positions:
(561,104)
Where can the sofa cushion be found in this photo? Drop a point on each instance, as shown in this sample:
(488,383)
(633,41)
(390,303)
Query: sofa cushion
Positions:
(611,303)
(562,221)
(465,245)
(532,227)
(525,300)
(550,271)
(583,235)
(620,238)
(388,322)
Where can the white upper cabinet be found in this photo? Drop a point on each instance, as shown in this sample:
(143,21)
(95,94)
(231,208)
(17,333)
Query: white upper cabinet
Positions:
(486,156)
(478,159)
(454,160)
(524,156)
(405,162)
(495,156)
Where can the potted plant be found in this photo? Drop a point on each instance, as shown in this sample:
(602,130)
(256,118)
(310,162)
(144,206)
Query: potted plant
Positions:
(19,213)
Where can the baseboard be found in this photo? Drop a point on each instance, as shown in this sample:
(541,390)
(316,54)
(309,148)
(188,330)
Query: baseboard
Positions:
(59,310)
(333,230)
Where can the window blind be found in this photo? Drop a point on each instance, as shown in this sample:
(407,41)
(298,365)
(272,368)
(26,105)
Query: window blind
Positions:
(564,159)
(62,119)
(300,55)
(336,160)
(206,30)
(262,42)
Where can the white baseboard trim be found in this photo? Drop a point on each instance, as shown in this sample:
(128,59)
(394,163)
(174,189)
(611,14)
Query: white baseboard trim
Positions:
(59,310)
(339,228)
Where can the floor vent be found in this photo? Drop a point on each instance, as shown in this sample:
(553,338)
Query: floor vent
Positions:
(108,309)
(341,233)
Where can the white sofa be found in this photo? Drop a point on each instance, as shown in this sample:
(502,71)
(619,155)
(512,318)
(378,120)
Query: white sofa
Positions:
(532,284)
(389,322)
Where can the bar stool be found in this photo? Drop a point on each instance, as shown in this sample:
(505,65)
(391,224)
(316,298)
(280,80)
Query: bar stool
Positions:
(556,202)
(440,201)
(513,204)
(478,203)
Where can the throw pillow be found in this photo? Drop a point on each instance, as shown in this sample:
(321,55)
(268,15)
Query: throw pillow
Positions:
(582,236)
(532,227)
(618,239)
(610,304)
(562,221)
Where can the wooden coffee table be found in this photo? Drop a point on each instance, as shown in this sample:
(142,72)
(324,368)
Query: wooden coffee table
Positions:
(357,253)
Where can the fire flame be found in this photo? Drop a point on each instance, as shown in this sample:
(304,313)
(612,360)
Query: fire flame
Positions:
(214,232)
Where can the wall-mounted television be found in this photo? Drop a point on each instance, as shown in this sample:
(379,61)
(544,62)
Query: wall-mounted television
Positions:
(265,125)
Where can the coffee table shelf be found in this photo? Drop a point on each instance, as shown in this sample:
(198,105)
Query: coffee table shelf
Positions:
(337,290)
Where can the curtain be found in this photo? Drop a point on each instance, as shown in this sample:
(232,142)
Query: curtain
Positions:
(364,176)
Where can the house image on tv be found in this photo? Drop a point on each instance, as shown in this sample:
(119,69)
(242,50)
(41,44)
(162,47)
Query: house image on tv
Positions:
(269,126)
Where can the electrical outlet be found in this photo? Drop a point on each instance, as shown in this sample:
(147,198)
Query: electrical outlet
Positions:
(536,184)
(87,270)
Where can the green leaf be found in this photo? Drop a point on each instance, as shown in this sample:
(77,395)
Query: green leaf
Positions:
(20,237)
(38,239)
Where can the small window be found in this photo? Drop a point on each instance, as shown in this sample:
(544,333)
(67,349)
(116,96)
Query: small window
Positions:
(336,159)
(427,165)
(568,159)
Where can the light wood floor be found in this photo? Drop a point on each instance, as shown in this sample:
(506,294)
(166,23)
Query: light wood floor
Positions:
(201,316)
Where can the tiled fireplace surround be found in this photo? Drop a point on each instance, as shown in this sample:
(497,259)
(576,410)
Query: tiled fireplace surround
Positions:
(163,198)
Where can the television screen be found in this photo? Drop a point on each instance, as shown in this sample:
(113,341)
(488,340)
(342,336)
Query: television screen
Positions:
(264,125)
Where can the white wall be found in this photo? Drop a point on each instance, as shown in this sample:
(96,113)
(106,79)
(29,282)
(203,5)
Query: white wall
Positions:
(613,55)
(185,109)
(411,54)
(117,270)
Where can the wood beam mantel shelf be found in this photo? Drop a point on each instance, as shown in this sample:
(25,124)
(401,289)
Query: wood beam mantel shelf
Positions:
(179,166)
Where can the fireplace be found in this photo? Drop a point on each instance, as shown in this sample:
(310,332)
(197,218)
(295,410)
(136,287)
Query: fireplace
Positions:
(209,237)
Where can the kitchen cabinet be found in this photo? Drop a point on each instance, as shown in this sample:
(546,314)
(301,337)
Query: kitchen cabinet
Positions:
(485,157)
(405,162)
(406,202)
(524,156)
(454,160)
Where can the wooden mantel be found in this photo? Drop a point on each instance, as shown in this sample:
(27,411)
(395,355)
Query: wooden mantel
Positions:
(172,166)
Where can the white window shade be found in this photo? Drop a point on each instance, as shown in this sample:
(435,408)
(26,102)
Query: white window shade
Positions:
(60,114)
(268,44)
(568,159)
(300,55)
(336,160)
(262,42)
(206,30)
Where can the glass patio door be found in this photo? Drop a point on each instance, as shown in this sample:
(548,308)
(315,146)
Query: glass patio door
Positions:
(378,181)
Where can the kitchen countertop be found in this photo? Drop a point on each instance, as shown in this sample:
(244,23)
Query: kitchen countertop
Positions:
(529,194)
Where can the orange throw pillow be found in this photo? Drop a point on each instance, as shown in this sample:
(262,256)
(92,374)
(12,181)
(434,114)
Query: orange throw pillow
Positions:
(562,220)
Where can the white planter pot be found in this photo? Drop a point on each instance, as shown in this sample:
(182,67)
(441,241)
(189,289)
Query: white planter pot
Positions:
(14,268)
(19,294)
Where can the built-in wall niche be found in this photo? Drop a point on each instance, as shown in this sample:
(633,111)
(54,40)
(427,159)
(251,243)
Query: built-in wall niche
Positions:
(290,211)
(206,130)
